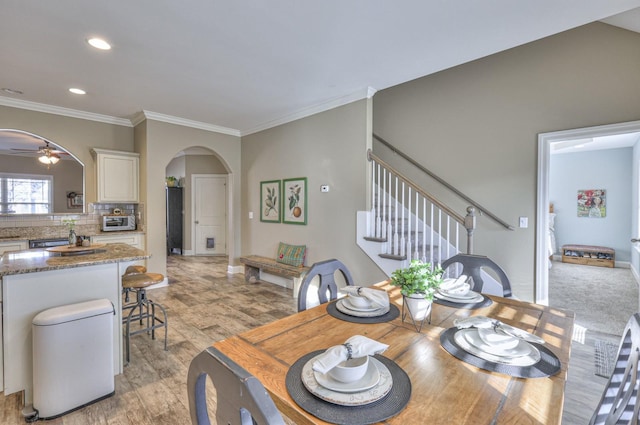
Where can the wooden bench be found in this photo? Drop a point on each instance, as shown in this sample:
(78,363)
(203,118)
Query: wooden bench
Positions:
(589,255)
(253,264)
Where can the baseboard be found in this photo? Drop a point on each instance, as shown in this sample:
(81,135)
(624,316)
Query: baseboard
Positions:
(235,269)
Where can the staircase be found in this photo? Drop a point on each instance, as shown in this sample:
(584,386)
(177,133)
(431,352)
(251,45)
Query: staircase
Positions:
(406,223)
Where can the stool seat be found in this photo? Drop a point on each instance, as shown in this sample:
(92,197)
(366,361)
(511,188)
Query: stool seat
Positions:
(141,280)
(135,269)
(136,279)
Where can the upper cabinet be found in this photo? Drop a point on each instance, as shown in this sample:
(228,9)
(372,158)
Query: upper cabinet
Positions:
(116,175)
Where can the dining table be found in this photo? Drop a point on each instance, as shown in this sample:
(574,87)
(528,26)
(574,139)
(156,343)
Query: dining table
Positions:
(442,388)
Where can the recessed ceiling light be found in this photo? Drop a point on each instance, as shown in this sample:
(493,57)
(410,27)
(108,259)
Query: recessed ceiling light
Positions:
(99,43)
(11,91)
(77,91)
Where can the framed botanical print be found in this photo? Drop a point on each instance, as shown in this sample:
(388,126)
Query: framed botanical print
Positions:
(270,201)
(294,201)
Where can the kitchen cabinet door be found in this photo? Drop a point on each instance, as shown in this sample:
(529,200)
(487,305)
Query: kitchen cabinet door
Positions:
(117,176)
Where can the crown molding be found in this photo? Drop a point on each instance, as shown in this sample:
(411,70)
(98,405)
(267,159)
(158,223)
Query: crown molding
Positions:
(315,109)
(187,123)
(67,112)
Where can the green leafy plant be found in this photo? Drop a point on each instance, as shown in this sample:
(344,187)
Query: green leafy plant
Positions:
(171,181)
(70,222)
(418,278)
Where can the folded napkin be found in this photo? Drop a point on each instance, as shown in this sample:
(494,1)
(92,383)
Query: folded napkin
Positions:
(360,346)
(377,297)
(475,322)
(458,286)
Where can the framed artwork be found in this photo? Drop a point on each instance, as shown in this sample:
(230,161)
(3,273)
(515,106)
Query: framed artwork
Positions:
(592,203)
(74,200)
(270,201)
(294,201)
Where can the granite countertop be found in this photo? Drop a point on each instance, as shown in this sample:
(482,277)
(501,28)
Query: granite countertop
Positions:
(38,260)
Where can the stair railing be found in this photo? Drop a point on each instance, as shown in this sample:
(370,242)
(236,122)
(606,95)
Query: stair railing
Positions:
(413,223)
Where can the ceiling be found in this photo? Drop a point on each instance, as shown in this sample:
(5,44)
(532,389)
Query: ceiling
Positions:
(242,66)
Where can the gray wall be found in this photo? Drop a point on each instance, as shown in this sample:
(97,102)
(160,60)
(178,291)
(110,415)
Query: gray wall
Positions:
(327,148)
(603,169)
(476,125)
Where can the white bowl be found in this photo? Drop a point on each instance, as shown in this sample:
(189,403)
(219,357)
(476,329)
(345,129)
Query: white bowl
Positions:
(350,370)
(498,339)
(359,302)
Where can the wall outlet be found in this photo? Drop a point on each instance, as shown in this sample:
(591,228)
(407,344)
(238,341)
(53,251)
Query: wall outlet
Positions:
(324,188)
(524,222)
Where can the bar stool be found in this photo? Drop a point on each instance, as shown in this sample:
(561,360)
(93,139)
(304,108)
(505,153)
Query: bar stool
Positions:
(137,279)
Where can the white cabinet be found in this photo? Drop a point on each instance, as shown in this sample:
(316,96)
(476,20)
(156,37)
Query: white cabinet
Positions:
(133,239)
(116,175)
(13,246)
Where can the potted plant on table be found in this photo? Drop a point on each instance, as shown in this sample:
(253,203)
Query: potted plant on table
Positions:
(418,283)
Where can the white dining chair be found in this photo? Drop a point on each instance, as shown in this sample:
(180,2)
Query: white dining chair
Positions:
(241,397)
(619,403)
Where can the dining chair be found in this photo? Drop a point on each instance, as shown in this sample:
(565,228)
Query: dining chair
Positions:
(472,266)
(325,270)
(619,403)
(241,397)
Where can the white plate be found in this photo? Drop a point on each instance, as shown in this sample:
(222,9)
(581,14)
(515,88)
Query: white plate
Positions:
(344,308)
(361,398)
(462,338)
(369,380)
(470,298)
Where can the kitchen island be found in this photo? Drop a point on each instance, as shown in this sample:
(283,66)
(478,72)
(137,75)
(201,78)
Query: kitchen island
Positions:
(36,280)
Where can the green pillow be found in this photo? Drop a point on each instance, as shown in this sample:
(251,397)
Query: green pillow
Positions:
(291,254)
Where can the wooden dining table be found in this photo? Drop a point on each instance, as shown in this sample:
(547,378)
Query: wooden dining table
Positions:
(444,389)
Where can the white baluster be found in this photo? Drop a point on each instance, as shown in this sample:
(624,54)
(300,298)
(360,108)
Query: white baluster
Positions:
(416,253)
(402,237)
(378,230)
(395,226)
(383,224)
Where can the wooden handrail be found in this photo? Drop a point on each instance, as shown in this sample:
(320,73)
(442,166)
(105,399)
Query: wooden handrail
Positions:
(457,217)
(479,207)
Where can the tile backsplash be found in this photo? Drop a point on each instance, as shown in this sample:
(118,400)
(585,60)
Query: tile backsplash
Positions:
(52,226)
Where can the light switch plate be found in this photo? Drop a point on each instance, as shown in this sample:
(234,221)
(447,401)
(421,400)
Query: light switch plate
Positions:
(524,222)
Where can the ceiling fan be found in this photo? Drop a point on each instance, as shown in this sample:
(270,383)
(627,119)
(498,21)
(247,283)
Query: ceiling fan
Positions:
(47,154)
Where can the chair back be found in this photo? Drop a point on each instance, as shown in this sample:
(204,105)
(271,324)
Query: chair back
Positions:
(325,270)
(241,397)
(472,266)
(619,403)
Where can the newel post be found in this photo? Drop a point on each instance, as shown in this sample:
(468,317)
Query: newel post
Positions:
(470,225)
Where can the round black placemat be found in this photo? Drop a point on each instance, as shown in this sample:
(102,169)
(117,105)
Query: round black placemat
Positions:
(387,317)
(548,365)
(378,411)
(486,302)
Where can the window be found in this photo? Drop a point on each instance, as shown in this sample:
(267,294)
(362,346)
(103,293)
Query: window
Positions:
(26,194)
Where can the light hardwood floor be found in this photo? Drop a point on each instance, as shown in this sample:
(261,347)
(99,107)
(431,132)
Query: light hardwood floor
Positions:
(204,305)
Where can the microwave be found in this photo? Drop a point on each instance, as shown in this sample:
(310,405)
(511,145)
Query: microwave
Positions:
(118,223)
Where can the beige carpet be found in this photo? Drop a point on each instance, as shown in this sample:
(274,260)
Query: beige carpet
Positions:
(603,298)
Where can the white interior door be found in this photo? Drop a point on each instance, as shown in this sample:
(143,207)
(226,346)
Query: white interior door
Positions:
(210,208)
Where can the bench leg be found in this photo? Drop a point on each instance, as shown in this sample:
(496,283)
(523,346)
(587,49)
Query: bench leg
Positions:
(251,274)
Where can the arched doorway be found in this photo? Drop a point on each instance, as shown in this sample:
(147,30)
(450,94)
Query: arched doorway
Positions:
(202,181)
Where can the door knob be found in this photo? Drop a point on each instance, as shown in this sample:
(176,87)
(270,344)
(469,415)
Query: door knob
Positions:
(635,240)
(197,222)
